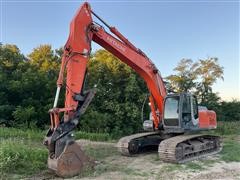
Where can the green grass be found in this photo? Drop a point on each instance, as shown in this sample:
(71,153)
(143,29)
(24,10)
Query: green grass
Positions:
(100,152)
(180,167)
(92,136)
(194,166)
(30,134)
(37,135)
(22,153)
(228,128)
(18,158)
(231,151)
(172,167)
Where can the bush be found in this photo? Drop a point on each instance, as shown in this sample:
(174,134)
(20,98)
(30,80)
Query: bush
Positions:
(229,111)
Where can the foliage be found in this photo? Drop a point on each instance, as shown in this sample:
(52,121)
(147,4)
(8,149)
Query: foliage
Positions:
(229,111)
(197,78)
(28,90)
(44,58)
(209,72)
(24,113)
(116,108)
(184,79)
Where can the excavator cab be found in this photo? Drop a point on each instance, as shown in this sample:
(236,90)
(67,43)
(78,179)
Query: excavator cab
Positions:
(181,114)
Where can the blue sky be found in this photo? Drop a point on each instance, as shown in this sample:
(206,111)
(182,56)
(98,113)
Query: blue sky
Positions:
(166,31)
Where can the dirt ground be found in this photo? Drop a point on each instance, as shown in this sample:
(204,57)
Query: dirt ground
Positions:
(111,165)
(148,166)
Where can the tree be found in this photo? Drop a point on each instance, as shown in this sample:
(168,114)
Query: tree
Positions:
(185,77)
(116,108)
(209,71)
(45,58)
(197,78)
(10,58)
(28,87)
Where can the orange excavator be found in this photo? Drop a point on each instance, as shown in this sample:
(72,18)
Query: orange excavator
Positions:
(175,119)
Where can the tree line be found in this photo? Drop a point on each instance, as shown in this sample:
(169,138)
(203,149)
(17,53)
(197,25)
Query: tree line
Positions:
(28,86)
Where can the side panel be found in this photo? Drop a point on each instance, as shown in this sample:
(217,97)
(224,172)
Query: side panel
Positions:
(207,119)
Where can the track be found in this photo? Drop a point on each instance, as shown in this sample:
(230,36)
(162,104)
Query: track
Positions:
(174,149)
(130,145)
(183,148)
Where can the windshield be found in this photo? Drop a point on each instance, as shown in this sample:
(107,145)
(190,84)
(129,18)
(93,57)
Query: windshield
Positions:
(171,108)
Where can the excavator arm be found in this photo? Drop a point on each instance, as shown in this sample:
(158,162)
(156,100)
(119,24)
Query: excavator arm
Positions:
(83,30)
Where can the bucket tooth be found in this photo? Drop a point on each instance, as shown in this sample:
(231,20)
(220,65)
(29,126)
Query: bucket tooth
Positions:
(71,162)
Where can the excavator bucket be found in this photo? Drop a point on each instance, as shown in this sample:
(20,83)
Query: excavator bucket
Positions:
(71,162)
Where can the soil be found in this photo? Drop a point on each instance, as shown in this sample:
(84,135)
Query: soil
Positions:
(148,166)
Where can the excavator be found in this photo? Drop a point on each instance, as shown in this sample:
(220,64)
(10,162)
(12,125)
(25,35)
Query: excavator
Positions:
(176,120)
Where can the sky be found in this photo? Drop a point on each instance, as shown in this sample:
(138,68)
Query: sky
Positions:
(166,31)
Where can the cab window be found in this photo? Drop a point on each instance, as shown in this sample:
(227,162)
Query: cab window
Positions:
(195,107)
(171,108)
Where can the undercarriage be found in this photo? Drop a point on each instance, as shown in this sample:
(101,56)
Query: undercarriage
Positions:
(174,148)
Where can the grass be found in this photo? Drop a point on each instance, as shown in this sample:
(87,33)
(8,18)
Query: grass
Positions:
(100,152)
(37,135)
(34,135)
(93,136)
(181,167)
(22,153)
(18,158)
(228,128)
(231,151)
(194,166)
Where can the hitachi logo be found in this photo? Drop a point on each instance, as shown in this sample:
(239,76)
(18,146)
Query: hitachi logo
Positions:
(116,44)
